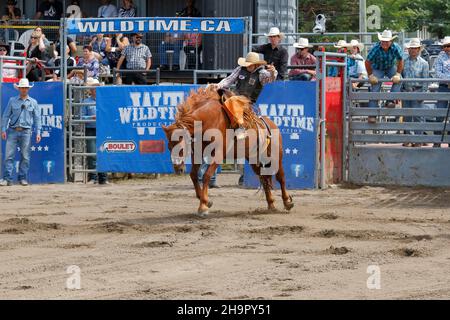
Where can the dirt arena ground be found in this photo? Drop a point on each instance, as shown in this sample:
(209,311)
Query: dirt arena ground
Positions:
(138,239)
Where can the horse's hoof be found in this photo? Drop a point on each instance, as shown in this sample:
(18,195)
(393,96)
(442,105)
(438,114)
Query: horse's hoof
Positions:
(288,206)
(210,203)
(203,214)
(273,210)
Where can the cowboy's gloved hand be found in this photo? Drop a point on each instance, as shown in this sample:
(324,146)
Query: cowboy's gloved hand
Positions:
(396,78)
(373,80)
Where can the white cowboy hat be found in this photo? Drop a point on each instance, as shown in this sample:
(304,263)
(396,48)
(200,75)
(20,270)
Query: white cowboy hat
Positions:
(274,31)
(302,43)
(341,44)
(23,83)
(414,43)
(250,59)
(445,41)
(355,43)
(386,36)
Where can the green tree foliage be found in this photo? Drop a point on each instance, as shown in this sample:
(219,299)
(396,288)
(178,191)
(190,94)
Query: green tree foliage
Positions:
(343,16)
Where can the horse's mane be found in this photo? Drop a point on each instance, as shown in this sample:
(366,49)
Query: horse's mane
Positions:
(196,99)
(184,117)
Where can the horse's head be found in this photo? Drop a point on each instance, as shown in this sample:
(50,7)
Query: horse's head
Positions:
(224,94)
(176,143)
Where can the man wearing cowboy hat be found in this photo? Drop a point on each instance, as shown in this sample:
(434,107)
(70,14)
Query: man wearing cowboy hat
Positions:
(384,59)
(415,67)
(302,58)
(356,66)
(442,67)
(341,45)
(89,113)
(274,53)
(21,113)
(250,77)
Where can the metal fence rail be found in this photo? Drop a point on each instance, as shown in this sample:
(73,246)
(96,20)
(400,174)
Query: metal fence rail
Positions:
(9,60)
(367,38)
(156,71)
(321,73)
(210,72)
(393,132)
(76,149)
(378,153)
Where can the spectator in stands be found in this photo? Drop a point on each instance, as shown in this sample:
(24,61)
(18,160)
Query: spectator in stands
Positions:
(57,63)
(172,42)
(193,48)
(190,10)
(138,57)
(21,113)
(89,61)
(341,46)
(302,57)
(25,38)
(128,9)
(355,61)
(36,55)
(8,75)
(114,48)
(107,10)
(415,67)
(384,59)
(274,53)
(192,41)
(98,44)
(50,10)
(11,11)
(42,35)
(442,68)
(89,113)
(70,44)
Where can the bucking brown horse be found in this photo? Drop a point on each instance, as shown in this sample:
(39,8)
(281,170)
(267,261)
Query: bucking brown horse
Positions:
(206,106)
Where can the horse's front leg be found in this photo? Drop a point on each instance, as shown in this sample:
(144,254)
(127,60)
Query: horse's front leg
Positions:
(205,204)
(266,181)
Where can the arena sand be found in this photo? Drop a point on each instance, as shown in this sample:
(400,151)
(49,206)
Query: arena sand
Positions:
(139,239)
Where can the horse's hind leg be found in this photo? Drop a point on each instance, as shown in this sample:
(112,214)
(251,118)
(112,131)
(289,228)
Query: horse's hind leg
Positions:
(267,185)
(266,182)
(205,204)
(194,178)
(287,199)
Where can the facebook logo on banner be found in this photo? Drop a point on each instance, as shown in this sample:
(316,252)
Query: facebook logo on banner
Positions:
(49,167)
(47,157)
(297,170)
(291,105)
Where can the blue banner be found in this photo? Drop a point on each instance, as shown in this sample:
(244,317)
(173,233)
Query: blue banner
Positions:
(47,157)
(129,133)
(291,105)
(170,25)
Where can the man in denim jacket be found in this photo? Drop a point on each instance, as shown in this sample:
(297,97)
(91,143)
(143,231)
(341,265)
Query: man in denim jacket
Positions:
(21,113)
